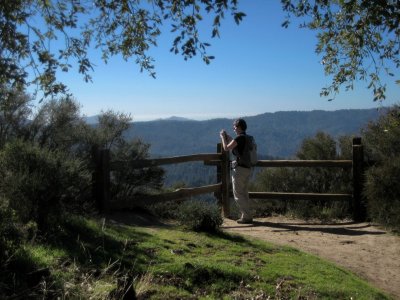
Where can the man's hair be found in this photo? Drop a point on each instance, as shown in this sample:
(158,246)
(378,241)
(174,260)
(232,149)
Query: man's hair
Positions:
(241,123)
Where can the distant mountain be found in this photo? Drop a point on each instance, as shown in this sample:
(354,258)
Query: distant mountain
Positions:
(277,134)
(95,119)
(175,118)
(91,119)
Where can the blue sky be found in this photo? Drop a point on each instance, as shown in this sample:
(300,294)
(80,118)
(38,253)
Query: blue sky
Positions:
(259,67)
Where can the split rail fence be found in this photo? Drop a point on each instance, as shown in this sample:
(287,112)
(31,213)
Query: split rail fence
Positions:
(222,189)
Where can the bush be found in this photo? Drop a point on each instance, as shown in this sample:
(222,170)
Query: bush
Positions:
(382,188)
(10,233)
(383,193)
(127,182)
(200,215)
(382,137)
(165,209)
(42,184)
(310,180)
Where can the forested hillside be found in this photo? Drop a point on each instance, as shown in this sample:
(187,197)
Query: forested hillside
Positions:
(277,134)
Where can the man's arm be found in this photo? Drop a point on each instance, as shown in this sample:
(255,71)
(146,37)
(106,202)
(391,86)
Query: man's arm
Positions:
(227,142)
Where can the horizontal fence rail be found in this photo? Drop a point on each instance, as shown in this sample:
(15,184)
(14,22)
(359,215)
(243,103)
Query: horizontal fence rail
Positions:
(178,194)
(305,163)
(299,196)
(346,164)
(152,162)
(222,190)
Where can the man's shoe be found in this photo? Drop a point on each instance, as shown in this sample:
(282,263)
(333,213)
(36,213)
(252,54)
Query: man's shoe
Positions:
(244,221)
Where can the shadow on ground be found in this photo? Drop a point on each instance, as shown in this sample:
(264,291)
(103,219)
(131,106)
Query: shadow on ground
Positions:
(137,218)
(346,228)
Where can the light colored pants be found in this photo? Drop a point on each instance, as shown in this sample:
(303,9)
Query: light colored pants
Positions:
(240,186)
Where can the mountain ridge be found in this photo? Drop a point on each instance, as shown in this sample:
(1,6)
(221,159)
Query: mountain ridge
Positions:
(278,134)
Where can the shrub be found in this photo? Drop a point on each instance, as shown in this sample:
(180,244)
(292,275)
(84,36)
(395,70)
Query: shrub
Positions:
(383,193)
(165,209)
(41,184)
(200,215)
(382,137)
(310,180)
(10,233)
(127,182)
(382,188)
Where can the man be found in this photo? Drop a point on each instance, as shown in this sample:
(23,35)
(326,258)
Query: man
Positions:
(240,171)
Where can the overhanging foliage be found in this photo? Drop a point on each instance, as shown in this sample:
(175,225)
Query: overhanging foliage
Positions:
(40,38)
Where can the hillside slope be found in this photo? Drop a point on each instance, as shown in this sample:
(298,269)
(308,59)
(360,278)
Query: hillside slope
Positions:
(277,134)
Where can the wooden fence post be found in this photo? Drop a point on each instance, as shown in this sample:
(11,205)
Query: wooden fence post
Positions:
(218,194)
(225,180)
(101,179)
(358,205)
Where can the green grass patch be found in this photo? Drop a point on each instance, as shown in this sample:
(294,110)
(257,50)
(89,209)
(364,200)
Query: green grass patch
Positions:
(95,259)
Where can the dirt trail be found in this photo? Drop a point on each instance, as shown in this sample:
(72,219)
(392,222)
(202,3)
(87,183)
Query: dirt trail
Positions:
(366,250)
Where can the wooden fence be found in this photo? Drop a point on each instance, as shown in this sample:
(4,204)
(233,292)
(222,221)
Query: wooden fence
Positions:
(101,182)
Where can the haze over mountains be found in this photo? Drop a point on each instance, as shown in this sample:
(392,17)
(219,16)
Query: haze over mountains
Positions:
(277,134)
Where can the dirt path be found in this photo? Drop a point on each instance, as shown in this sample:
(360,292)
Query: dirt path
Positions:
(366,250)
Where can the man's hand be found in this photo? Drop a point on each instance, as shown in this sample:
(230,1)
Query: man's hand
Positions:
(223,134)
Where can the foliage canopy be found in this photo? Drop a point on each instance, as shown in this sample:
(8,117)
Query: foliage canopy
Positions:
(358,39)
(41,38)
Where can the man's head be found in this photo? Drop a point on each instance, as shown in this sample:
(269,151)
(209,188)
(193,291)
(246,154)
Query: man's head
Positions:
(240,124)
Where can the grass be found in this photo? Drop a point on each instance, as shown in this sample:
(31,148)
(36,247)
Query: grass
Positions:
(90,258)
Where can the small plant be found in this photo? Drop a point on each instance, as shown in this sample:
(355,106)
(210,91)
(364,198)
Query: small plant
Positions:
(200,215)
(165,210)
(143,284)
